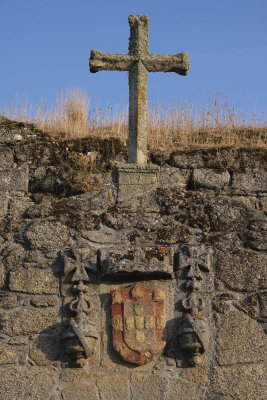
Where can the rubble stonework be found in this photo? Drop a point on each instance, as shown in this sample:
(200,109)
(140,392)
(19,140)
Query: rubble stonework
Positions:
(201,244)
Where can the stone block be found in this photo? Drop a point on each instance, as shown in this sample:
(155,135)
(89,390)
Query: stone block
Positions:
(2,276)
(7,354)
(44,301)
(186,160)
(81,391)
(27,382)
(136,184)
(47,235)
(241,382)
(45,349)
(210,179)
(6,157)
(250,181)
(182,390)
(25,322)
(240,340)
(3,204)
(153,261)
(35,281)
(8,300)
(148,386)
(114,387)
(242,270)
(14,179)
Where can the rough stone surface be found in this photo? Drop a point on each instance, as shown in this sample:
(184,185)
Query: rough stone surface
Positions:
(62,213)
(26,382)
(45,349)
(241,382)
(2,275)
(14,179)
(24,322)
(251,181)
(33,281)
(3,204)
(6,157)
(210,179)
(7,354)
(148,387)
(242,271)
(231,350)
(114,387)
(179,389)
(47,235)
(81,391)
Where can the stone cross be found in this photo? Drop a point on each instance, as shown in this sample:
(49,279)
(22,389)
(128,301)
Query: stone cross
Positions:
(138,62)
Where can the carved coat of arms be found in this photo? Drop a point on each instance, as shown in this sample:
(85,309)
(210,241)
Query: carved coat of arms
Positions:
(138,322)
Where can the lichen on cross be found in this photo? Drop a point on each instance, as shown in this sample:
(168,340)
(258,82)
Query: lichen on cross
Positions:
(138,62)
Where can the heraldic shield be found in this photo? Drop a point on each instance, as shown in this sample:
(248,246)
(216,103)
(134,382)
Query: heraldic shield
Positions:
(138,322)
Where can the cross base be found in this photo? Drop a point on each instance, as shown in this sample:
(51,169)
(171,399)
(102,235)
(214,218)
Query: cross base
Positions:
(136,185)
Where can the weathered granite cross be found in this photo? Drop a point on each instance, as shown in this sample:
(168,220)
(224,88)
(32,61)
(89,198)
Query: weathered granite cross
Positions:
(138,62)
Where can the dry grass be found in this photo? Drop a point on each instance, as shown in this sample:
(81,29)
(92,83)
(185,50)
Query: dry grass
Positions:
(170,127)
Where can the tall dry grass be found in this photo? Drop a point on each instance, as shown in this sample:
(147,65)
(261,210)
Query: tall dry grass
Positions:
(170,126)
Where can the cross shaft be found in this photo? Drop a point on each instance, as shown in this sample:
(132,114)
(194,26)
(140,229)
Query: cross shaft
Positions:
(138,62)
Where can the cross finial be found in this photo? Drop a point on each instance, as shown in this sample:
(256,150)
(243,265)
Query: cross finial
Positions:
(138,62)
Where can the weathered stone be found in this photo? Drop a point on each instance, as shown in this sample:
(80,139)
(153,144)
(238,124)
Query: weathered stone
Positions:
(241,382)
(241,271)
(76,375)
(44,301)
(3,204)
(2,275)
(6,157)
(250,181)
(197,375)
(136,184)
(33,281)
(81,391)
(138,62)
(180,389)
(47,235)
(263,304)
(7,354)
(210,179)
(24,322)
(231,350)
(45,349)
(153,261)
(138,322)
(114,387)
(14,179)
(186,159)
(148,386)
(8,300)
(27,382)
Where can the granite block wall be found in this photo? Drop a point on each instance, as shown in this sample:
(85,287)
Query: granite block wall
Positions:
(61,215)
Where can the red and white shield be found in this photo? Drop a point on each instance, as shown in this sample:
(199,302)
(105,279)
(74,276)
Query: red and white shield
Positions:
(138,322)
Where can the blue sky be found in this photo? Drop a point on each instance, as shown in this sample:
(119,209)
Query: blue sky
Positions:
(45,47)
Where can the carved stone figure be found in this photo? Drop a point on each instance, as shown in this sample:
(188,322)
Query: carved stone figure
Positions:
(193,331)
(150,261)
(80,334)
(138,322)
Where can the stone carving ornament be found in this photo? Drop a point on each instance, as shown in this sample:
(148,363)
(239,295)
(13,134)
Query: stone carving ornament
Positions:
(193,329)
(138,322)
(79,328)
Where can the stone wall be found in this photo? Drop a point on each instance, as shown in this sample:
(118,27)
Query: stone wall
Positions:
(68,238)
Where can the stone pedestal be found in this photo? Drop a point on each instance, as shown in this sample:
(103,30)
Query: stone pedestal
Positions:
(136,184)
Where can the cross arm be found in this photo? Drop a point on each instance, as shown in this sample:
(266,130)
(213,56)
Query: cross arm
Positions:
(178,63)
(108,61)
